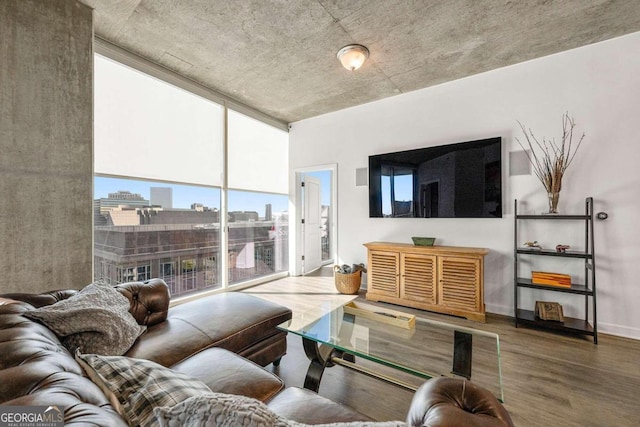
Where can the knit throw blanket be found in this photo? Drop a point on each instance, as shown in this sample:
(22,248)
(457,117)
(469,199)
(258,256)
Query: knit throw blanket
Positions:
(95,320)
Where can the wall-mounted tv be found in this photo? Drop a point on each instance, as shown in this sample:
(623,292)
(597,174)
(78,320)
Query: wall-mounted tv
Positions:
(462,180)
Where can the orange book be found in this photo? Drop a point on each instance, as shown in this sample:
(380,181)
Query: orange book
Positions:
(551,279)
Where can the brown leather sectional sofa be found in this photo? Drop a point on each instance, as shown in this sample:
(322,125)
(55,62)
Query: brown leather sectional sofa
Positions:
(201,338)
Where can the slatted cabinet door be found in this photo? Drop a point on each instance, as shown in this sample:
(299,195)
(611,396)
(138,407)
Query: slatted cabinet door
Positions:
(459,278)
(383,273)
(418,277)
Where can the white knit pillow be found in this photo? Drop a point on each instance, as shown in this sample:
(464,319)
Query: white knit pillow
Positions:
(229,410)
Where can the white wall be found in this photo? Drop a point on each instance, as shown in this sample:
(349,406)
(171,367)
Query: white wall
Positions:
(600,87)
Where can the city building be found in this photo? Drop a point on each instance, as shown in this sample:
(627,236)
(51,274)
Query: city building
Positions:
(182,247)
(162,196)
(118,200)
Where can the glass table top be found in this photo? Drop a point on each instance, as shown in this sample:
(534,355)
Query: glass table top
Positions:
(430,348)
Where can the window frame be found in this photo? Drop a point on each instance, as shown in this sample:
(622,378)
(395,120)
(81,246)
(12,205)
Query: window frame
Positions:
(119,55)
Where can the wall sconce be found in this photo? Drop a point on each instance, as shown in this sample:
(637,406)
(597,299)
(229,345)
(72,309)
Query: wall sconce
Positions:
(353,56)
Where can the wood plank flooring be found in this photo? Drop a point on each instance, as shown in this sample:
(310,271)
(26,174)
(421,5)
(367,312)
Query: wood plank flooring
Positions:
(549,379)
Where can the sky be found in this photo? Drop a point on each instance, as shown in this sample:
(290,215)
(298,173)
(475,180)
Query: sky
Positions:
(325,185)
(403,190)
(185,195)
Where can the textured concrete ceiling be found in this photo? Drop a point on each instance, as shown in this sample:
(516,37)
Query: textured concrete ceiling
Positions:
(279,56)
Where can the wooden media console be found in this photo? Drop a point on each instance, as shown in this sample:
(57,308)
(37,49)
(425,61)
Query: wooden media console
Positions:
(444,279)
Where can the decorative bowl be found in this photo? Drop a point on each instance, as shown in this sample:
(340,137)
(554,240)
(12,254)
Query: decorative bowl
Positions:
(423,241)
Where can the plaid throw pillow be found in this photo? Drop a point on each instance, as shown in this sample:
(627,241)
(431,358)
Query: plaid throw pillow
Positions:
(140,385)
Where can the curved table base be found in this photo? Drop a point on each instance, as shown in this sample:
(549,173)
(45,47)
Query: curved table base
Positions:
(320,356)
(323,355)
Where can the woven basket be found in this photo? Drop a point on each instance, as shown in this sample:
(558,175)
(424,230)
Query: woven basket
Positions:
(347,283)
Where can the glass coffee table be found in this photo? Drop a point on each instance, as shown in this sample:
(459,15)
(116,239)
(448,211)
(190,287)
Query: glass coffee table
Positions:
(428,349)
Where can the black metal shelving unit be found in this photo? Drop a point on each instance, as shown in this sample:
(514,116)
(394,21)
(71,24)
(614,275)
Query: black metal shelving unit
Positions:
(587,289)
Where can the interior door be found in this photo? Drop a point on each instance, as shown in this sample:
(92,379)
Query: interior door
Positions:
(312,225)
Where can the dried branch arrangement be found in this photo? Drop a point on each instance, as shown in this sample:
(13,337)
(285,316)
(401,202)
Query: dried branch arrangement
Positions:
(549,159)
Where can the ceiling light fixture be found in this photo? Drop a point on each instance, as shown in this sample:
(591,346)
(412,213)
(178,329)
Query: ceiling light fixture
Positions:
(353,56)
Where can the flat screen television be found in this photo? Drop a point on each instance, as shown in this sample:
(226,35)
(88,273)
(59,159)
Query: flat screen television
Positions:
(462,180)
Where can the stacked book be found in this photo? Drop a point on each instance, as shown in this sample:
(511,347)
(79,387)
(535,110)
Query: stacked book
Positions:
(551,279)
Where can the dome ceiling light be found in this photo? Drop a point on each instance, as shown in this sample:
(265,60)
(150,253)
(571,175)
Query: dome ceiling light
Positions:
(353,56)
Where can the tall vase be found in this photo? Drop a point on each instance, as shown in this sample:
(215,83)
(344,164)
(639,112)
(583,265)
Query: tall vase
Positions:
(553,201)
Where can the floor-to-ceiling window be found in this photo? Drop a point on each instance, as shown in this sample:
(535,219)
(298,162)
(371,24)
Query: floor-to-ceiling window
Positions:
(145,229)
(159,187)
(257,199)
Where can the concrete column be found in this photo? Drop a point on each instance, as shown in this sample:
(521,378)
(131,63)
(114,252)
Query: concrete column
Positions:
(46,144)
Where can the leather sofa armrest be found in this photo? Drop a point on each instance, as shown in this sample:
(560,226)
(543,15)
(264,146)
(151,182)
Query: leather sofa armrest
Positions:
(450,402)
(40,300)
(149,300)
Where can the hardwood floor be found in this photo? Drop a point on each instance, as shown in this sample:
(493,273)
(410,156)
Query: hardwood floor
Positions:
(549,379)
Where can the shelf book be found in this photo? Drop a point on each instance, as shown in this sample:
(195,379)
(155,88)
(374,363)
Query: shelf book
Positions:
(551,279)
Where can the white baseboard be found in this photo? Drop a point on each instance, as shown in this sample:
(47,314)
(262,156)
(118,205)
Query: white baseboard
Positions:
(605,328)
(499,309)
(618,330)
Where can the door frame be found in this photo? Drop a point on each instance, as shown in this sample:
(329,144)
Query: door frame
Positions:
(295,226)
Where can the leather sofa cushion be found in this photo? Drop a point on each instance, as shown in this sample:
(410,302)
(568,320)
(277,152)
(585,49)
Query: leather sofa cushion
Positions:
(232,320)
(226,372)
(307,407)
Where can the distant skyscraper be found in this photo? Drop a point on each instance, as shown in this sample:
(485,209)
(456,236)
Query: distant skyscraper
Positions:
(162,196)
(267,212)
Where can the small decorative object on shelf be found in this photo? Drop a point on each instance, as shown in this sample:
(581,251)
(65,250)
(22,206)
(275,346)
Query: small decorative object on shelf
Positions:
(550,160)
(549,311)
(562,248)
(423,241)
(348,278)
(532,245)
